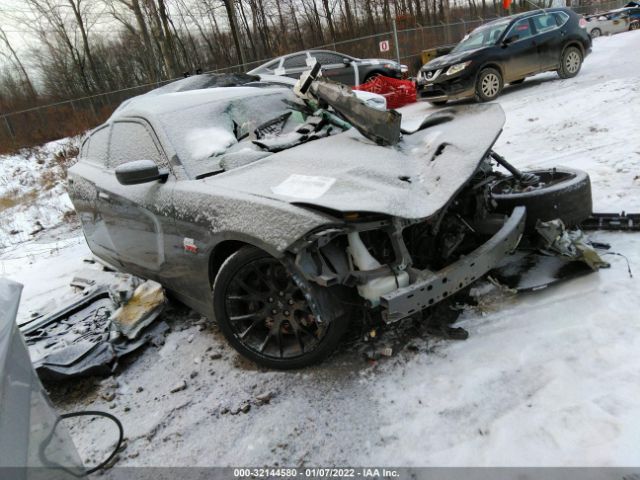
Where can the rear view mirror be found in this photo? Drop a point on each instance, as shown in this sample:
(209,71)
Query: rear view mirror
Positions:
(139,171)
(346,61)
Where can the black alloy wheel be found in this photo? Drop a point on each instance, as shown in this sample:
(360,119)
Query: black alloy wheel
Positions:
(265,315)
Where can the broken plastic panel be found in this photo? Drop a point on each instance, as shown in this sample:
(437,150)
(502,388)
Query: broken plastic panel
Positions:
(111,315)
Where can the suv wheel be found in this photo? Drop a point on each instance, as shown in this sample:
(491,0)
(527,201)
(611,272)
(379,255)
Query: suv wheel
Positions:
(488,85)
(264,314)
(595,33)
(570,62)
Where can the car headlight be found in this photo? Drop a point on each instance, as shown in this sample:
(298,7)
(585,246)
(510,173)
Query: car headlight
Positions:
(457,68)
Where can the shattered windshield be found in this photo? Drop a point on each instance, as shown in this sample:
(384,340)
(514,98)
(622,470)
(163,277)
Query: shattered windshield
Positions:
(484,36)
(217,136)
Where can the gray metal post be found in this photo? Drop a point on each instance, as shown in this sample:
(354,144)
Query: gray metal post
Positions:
(395,39)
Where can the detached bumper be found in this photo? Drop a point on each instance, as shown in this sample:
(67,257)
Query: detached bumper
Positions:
(436,286)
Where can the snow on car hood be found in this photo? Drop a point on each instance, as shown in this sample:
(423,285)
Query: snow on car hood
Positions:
(413,179)
(449,59)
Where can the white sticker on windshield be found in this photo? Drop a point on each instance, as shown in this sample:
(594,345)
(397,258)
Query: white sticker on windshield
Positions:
(304,186)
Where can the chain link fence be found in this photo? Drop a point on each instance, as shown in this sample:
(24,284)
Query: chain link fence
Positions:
(40,124)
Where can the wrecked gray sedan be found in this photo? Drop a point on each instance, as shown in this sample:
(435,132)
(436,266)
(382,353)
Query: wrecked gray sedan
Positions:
(285,214)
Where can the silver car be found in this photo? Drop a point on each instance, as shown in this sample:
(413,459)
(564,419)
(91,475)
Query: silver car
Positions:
(610,23)
(336,66)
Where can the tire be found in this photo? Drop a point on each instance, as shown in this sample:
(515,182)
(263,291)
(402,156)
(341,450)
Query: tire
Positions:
(241,273)
(567,196)
(634,26)
(488,85)
(517,82)
(570,62)
(438,103)
(595,33)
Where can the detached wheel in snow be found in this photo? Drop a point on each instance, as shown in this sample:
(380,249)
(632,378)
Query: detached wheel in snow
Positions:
(488,85)
(562,193)
(570,62)
(266,317)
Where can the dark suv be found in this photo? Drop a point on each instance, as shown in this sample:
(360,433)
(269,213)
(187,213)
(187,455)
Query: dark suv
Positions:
(506,50)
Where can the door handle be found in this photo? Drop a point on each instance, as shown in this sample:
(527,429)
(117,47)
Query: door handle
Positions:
(104,196)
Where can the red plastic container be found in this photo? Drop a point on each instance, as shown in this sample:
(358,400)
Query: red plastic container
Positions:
(397,92)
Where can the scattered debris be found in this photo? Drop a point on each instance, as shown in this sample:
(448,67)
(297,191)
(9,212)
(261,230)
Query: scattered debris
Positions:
(80,337)
(109,396)
(140,310)
(182,385)
(38,228)
(569,243)
(264,398)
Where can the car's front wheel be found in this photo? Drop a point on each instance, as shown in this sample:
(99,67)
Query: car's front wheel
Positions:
(265,315)
(570,62)
(488,85)
(634,26)
(595,33)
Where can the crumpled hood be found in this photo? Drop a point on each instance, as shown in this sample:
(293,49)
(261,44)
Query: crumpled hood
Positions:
(449,59)
(346,172)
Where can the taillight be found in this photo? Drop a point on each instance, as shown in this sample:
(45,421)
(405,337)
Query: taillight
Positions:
(582,22)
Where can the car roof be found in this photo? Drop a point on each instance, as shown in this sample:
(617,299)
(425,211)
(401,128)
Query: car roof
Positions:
(529,13)
(257,69)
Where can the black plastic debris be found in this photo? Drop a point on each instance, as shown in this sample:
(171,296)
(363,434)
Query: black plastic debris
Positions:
(109,315)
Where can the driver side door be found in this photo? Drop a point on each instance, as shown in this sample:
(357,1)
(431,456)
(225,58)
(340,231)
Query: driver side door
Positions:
(137,217)
(520,51)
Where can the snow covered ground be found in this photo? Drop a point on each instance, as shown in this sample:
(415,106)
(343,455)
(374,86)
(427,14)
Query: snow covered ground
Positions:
(545,379)
(33,194)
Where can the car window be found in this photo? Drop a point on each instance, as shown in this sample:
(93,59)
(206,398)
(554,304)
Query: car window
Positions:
(521,29)
(326,58)
(297,61)
(483,36)
(544,23)
(204,134)
(271,66)
(561,18)
(132,141)
(98,146)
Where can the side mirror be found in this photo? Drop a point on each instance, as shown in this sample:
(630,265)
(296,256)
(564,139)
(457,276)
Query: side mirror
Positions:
(346,61)
(508,41)
(140,171)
